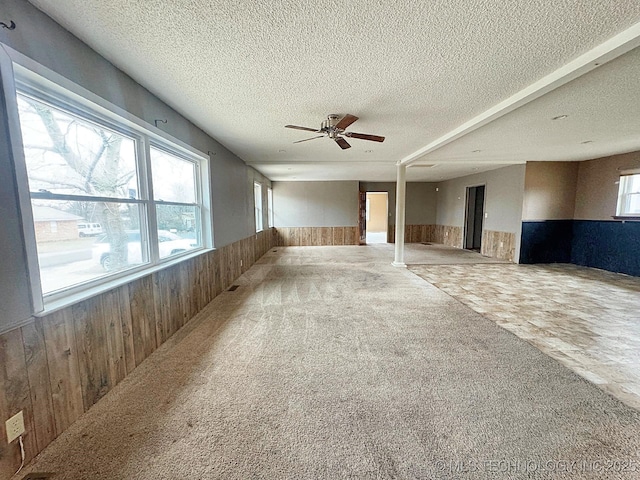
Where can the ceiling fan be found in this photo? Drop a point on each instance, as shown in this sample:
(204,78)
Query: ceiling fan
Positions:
(335,129)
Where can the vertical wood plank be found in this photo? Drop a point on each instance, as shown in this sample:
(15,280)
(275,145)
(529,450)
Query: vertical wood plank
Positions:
(189,307)
(142,298)
(294,237)
(224,268)
(315,237)
(38,373)
(351,236)
(208,278)
(306,236)
(162,305)
(115,341)
(64,373)
(126,325)
(218,272)
(91,341)
(326,236)
(337,235)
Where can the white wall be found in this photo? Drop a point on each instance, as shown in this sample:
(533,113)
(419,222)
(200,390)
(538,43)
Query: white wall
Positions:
(315,204)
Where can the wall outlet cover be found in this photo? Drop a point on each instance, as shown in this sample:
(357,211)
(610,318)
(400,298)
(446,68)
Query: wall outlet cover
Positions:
(15,426)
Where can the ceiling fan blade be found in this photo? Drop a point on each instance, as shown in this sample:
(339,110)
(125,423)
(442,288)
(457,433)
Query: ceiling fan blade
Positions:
(364,136)
(302,128)
(307,139)
(342,142)
(347,120)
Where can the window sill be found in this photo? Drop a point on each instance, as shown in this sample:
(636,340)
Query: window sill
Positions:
(54,305)
(625,218)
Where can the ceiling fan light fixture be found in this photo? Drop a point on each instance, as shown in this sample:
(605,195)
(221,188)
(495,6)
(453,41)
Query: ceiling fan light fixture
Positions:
(335,130)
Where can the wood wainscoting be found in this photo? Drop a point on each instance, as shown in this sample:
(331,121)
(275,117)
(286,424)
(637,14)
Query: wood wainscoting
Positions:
(56,367)
(445,234)
(316,236)
(500,245)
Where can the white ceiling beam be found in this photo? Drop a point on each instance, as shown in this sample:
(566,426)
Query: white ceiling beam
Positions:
(603,53)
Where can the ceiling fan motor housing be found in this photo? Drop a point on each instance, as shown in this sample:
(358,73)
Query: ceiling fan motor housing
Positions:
(330,125)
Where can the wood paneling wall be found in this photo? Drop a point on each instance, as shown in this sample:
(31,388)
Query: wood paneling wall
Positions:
(448,235)
(445,234)
(316,236)
(500,245)
(413,233)
(56,367)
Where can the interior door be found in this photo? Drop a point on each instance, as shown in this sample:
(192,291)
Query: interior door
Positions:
(475,217)
(362,218)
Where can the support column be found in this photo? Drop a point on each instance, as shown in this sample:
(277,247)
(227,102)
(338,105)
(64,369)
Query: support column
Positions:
(401,184)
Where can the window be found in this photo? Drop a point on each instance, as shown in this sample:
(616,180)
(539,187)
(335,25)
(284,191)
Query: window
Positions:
(257,199)
(270,206)
(108,198)
(629,195)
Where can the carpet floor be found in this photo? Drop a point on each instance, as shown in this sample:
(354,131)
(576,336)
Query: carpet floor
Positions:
(327,362)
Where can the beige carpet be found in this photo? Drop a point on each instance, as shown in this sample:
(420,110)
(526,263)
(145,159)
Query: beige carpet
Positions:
(327,362)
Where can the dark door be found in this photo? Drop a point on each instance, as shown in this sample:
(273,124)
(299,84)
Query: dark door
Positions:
(475,216)
(362,218)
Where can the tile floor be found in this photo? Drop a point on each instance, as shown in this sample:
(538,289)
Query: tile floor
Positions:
(587,319)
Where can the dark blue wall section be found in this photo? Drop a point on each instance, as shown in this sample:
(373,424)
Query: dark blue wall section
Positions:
(548,241)
(609,245)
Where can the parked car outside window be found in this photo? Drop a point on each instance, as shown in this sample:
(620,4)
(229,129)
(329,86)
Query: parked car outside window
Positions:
(89,229)
(168,243)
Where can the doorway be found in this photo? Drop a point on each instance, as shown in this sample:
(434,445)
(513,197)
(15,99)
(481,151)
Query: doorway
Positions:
(474,218)
(377,217)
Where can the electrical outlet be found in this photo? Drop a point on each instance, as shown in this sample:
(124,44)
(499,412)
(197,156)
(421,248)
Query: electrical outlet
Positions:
(15,426)
(240,262)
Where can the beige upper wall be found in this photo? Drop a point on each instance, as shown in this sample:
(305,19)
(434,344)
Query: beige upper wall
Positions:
(550,190)
(597,186)
(378,218)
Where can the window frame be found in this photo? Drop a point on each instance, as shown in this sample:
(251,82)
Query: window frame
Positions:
(258,206)
(20,73)
(623,194)
(270,207)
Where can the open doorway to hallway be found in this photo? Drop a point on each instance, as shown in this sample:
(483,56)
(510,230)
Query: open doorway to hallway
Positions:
(377,217)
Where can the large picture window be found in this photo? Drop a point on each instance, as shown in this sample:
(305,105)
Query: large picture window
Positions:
(107,199)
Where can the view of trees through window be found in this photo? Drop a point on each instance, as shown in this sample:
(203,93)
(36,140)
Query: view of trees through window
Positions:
(89,202)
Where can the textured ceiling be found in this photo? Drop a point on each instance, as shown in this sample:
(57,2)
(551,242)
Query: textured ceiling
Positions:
(412,71)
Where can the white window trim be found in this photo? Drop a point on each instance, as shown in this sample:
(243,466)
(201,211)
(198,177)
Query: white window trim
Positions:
(622,196)
(259,227)
(270,214)
(57,85)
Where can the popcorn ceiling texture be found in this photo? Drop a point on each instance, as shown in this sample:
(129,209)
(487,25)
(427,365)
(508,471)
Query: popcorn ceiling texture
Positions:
(411,70)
